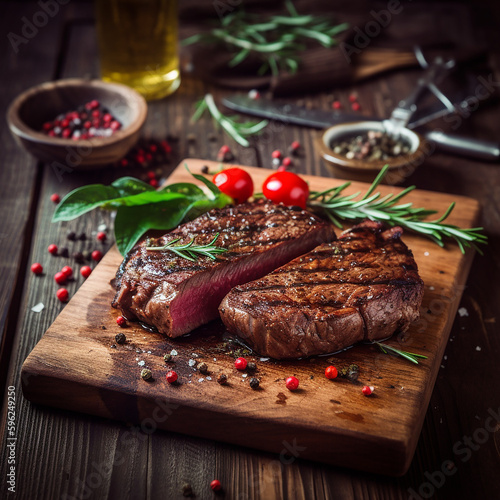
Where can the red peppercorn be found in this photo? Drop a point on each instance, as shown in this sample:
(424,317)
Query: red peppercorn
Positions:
(331,372)
(153,148)
(87,124)
(153,182)
(224,150)
(62,294)
(353,98)
(292,383)
(276,154)
(336,105)
(215,485)
(240,363)
(286,162)
(52,133)
(52,249)
(166,146)
(85,271)
(101,236)
(281,168)
(55,198)
(47,126)
(107,117)
(66,133)
(355,106)
(367,390)
(96,113)
(92,104)
(171,377)
(151,175)
(121,321)
(36,268)
(295,145)
(60,278)
(115,125)
(67,271)
(124,162)
(96,255)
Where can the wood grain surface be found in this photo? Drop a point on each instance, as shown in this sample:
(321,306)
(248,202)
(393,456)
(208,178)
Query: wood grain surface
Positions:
(68,455)
(77,365)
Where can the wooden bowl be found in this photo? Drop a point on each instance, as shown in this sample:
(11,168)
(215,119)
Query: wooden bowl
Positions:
(37,105)
(400,167)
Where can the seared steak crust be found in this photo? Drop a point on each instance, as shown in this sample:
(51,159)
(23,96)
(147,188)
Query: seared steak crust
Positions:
(176,295)
(364,286)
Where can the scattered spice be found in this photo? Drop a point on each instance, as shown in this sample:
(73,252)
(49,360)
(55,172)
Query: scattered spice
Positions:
(64,252)
(37,268)
(240,363)
(62,294)
(120,338)
(216,485)
(331,372)
(251,366)
(367,390)
(202,368)
(121,321)
(276,154)
(101,236)
(287,161)
(355,106)
(79,258)
(292,383)
(67,271)
(171,376)
(52,249)
(167,357)
(222,379)
(87,255)
(85,271)
(187,491)
(146,374)
(60,278)
(55,198)
(96,255)
(71,236)
(254,383)
(82,237)
(350,372)
(336,105)
(370,146)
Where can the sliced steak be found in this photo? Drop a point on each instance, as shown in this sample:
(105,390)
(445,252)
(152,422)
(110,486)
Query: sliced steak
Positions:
(364,286)
(176,295)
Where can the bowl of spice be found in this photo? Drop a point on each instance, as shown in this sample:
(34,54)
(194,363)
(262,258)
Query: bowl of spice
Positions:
(359,150)
(77,122)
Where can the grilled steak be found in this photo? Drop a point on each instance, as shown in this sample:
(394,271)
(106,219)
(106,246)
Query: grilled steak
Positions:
(364,286)
(176,295)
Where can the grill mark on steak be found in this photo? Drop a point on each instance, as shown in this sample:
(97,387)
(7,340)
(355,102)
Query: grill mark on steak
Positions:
(364,286)
(175,296)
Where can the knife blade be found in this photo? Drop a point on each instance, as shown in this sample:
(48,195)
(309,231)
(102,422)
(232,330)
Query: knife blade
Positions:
(316,118)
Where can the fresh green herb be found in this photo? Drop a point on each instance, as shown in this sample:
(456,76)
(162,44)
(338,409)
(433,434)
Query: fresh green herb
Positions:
(139,207)
(239,131)
(277,41)
(385,209)
(190,251)
(410,356)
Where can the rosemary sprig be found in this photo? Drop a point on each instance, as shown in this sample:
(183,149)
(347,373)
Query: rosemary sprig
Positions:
(410,356)
(239,131)
(277,41)
(386,209)
(191,252)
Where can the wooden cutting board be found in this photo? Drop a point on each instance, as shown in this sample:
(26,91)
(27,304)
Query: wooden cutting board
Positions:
(78,366)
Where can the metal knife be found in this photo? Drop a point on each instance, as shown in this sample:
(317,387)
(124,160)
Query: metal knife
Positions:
(316,118)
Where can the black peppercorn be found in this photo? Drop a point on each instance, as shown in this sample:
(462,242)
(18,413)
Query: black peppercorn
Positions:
(63,252)
(78,256)
(82,237)
(120,338)
(167,357)
(251,366)
(146,374)
(71,236)
(222,379)
(254,383)
(202,368)
(187,491)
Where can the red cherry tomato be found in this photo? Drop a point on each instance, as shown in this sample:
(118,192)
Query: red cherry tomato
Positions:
(287,188)
(234,182)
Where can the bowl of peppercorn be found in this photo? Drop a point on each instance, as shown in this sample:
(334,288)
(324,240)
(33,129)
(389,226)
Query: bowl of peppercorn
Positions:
(358,151)
(77,123)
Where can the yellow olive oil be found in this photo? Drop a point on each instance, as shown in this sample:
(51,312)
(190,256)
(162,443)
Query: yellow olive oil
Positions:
(138,44)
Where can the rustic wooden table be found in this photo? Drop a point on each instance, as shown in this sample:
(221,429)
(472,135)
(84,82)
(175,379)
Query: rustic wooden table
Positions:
(66,455)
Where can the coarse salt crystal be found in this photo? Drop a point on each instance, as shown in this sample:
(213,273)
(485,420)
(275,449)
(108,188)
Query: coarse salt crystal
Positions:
(215,359)
(102,227)
(463,312)
(431,288)
(445,357)
(426,254)
(141,363)
(201,379)
(191,362)
(38,308)
(264,359)
(209,378)
(245,375)
(173,352)
(478,348)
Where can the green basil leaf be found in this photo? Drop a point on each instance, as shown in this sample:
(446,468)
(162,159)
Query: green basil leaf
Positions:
(186,188)
(127,186)
(145,198)
(210,185)
(83,200)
